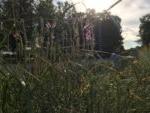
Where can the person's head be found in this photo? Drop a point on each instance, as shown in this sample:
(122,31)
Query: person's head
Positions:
(86,21)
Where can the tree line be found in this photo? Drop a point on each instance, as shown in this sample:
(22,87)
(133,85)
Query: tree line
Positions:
(13,10)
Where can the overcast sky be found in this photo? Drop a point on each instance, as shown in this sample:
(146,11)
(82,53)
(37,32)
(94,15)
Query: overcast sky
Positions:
(129,10)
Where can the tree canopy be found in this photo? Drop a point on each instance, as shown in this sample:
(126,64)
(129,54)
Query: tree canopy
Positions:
(110,37)
(145,29)
(31,12)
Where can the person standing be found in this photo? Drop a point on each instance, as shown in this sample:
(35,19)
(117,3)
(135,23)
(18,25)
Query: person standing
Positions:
(12,41)
(88,35)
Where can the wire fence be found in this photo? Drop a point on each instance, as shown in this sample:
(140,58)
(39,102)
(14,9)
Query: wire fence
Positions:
(66,42)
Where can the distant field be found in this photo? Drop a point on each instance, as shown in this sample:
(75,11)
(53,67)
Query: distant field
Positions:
(131,44)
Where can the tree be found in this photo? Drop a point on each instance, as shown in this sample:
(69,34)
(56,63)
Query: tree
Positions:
(65,11)
(108,33)
(15,11)
(145,29)
(18,8)
(45,9)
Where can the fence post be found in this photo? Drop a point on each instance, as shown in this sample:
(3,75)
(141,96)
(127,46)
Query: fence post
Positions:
(24,31)
(42,25)
(1,28)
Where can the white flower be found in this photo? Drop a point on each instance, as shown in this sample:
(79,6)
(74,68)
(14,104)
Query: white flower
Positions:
(23,83)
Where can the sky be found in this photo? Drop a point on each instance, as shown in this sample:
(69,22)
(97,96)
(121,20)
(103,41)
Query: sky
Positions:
(130,11)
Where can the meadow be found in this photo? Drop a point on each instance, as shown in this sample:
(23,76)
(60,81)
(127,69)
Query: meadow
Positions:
(75,83)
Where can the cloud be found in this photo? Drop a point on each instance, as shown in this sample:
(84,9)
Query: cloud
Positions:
(130,12)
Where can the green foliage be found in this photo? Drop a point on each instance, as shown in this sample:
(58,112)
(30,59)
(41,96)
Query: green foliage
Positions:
(109,34)
(45,9)
(75,85)
(14,11)
(70,82)
(145,29)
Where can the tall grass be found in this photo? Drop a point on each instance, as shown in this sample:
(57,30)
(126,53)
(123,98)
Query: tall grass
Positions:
(76,84)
